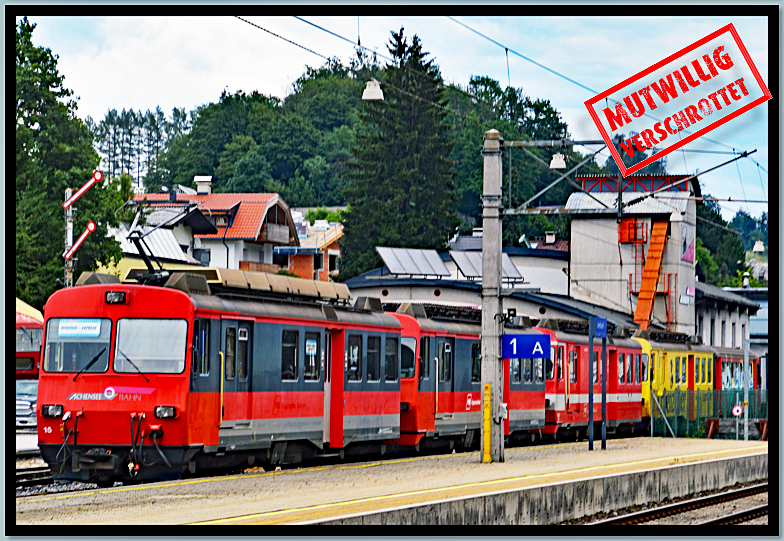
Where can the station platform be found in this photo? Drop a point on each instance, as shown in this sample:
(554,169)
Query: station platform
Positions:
(543,484)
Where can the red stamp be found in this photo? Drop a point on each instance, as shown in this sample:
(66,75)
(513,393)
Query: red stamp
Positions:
(699,88)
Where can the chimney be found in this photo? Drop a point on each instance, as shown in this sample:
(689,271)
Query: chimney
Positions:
(203,185)
(549,237)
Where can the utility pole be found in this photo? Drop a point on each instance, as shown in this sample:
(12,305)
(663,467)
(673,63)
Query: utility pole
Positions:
(746,384)
(69,264)
(492,441)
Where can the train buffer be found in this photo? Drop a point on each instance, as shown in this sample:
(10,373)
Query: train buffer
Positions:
(727,426)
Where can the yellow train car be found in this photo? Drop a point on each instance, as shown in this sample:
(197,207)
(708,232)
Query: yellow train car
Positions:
(673,365)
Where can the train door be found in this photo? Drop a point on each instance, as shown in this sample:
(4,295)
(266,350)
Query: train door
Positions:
(692,374)
(445,377)
(236,383)
(334,344)
(573,404)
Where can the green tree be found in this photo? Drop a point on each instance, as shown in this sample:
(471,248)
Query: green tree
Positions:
(403,190)
(723,244)
(54,151)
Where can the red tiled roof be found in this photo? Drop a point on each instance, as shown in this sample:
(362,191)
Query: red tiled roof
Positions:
(212,201)
(247,222)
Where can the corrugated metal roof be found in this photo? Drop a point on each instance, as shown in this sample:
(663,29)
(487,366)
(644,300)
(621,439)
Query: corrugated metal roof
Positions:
(663,203)
(162,242)
(322,239)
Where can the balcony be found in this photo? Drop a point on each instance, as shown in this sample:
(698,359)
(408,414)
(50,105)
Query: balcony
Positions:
(275,233)
(255,266)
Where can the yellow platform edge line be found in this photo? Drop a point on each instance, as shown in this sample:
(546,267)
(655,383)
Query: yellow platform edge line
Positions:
(270,514)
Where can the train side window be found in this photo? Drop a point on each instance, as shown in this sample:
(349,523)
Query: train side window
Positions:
(538,370)
(407,357)
(200,363)
(645,367)
(572,367)
(230,362)
(476,362)
(696,370)
(514,370)
(374,358)
(630,369)
(684,373)
(702,369)
(445,361)
(595,358)
(621,371)
(424,357)
(312,356)
(675,367)
(559,368)
(242,352)
(653,367)
(527,370)
(638,368)
(550,364)
(354,357)
(289,356)
(390,359)
(710,370)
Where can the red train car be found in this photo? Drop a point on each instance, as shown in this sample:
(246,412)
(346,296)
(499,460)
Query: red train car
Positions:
(728,364)
(567,386)
(29,331)
(441,380)
(143,382)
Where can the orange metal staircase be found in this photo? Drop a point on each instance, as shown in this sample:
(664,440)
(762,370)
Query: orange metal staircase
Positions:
(650,276)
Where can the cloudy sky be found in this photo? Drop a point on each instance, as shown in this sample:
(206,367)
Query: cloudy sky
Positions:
(143,62)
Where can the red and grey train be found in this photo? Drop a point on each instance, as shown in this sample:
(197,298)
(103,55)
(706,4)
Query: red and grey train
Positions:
(147,382)
(144,382)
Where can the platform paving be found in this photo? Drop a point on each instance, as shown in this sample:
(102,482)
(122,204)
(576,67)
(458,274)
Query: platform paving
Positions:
(307,494)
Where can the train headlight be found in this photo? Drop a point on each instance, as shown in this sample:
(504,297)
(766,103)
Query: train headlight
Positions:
(52,410)
(165,412)
(115,297)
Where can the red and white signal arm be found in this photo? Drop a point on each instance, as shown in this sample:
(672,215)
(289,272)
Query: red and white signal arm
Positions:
(737,411)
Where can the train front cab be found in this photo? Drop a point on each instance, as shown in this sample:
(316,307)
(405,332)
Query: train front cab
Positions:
(28,348)
(113,391)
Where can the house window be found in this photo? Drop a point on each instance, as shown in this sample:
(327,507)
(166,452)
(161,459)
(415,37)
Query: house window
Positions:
(221,220)
(723,342)
(282,260)
(733,334)
(333,262)
(712,332)
(318,261)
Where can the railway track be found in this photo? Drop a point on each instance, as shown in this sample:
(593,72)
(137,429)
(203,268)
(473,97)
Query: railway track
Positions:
(655,513)
(30,477)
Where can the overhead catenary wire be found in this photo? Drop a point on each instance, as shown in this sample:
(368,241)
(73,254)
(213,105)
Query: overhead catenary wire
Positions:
(366,75)
(562,76)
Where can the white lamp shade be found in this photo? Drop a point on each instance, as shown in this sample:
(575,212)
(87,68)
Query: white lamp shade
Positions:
(759,246)
(372,91)
(558,161)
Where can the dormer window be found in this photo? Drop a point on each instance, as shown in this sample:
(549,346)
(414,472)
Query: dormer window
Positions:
(221,220)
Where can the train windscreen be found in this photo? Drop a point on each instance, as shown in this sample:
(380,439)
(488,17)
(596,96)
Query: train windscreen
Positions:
(151,346)
(77,345)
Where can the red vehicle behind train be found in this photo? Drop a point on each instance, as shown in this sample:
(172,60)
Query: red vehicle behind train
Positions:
(29,331)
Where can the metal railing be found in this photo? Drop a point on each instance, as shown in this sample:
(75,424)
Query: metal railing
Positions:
(691,414)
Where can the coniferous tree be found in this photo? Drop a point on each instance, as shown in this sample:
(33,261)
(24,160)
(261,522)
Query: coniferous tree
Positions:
(403,189)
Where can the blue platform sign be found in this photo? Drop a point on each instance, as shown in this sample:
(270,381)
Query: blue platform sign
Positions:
(601,327)
(525,346)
